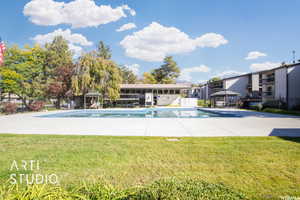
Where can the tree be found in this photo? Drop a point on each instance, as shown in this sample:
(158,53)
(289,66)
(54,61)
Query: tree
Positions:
(168,72)
(10,81)
(60,85)
(214,79)
(58,54)
(148,78)
(128,77)
(103,51)
(97,74)
(58,69)
(25,72)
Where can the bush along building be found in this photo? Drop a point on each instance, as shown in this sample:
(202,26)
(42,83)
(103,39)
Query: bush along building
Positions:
(278,87)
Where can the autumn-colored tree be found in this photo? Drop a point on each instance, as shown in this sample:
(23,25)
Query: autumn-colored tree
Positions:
(60,85)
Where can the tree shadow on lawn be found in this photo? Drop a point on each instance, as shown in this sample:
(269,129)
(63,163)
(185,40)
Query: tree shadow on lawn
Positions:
(291,134)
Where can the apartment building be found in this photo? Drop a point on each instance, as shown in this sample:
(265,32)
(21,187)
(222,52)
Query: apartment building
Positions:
(281,83)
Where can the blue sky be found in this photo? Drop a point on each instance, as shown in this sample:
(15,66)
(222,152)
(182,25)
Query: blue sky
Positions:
(205,37)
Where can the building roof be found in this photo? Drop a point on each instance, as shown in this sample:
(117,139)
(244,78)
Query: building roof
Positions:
(257,72)
(156,86)
(224,93)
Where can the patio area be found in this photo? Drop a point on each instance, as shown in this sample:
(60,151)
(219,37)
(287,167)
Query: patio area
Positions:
(248,124)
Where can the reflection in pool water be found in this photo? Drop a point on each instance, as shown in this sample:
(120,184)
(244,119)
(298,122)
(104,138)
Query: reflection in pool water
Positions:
(139,113)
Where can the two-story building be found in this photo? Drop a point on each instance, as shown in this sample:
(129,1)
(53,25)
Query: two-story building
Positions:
(281,83)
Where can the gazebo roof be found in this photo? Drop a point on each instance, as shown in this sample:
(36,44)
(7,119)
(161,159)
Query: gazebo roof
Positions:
(225,93)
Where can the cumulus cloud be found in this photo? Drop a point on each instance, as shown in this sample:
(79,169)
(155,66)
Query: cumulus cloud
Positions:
(75,40)
(126,27)
(76,50)
(155,41)
(229,73)
(254,55)
(78,13)
(186,73)
(135,68)
(263,66)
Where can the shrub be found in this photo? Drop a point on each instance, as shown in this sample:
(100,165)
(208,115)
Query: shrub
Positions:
(275,104)
(186,189)
(9,108)
(202,103)
(164,189)
(36,105)
(258,107)
(297,107)
(281,111)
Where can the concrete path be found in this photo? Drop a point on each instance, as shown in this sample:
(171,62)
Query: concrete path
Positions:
(249,124)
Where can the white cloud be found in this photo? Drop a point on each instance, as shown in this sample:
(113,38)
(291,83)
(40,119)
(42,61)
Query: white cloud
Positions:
(263,66)
(155,41)
(75,40)
(131,11)
(229,73)
(126,27)
(76,50)
(186,73)
(210,40)
(135,68)
(78,13)
(254,55)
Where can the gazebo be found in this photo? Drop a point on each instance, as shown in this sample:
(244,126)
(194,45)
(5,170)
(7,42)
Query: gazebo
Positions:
(94,99)
(225,98)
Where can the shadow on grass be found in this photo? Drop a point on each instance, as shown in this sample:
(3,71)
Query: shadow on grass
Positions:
(285,132)
(290,134)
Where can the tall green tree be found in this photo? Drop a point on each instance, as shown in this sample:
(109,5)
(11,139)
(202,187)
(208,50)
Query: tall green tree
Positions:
(23,69)
(128,77)
(168,72)
(93,73)
(58,54)
(103,51)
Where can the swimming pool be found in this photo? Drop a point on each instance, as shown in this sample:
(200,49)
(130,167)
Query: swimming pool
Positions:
(139,113)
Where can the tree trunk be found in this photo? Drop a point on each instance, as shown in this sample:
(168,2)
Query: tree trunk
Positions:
(25,103)
(58,103)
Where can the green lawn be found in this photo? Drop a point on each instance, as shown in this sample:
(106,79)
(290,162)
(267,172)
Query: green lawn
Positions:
(260,167)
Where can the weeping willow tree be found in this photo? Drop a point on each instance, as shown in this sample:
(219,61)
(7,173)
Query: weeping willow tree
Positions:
(93,73)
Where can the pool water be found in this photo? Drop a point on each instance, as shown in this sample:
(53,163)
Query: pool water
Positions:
(140,113)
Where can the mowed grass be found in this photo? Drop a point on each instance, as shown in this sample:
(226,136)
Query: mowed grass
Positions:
(260,167)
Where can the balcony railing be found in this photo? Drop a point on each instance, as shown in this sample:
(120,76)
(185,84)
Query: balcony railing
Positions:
(268,93)
(268,81)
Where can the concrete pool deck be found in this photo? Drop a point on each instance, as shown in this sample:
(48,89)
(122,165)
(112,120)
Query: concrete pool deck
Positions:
(248,124)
